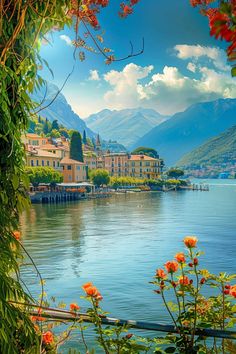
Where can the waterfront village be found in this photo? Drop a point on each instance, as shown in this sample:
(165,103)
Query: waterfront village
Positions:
(46,152)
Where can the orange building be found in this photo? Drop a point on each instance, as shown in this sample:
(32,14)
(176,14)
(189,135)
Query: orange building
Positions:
(73,171)
(116,164)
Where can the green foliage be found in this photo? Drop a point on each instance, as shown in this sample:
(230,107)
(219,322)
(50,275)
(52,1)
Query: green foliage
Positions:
(175,172)
(43,175)
(116,182)
(145,151)
(21,25)
(55,125)
(100,177)
(47,127)
(84,138)
(76,152)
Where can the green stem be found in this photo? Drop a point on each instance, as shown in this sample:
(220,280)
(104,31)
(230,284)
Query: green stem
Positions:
(98,324)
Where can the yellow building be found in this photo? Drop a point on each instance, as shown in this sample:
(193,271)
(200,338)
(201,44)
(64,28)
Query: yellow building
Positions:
(42,158)
(142,166)
(73,171)
(61,151)
(34,140)
(116,164)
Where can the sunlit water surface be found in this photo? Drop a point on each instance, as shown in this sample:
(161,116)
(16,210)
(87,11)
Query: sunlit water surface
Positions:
(119,242)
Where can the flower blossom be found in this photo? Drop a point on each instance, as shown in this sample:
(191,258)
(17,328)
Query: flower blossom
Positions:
(190,241)
(171,266)
(48,337)
(92,291)
(180,258)
(160,273)
(74,307)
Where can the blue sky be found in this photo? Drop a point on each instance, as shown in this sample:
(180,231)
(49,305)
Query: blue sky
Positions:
(181,64)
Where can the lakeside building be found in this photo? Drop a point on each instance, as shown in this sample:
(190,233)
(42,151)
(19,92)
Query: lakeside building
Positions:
(116,164)
(142,166)
(42,158)
(73,171)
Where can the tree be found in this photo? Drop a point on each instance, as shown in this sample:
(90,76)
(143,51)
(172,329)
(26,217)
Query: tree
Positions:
(100,177)
(64,132)
(76,152)
(222,22)
(84,138)
(175,173)
(55,134)
(43,175)
(145,151)
(46,127)
(55,125)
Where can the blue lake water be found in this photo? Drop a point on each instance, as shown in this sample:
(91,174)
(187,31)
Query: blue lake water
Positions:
(119,242)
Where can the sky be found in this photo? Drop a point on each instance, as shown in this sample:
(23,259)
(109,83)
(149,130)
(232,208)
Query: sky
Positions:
(181,64)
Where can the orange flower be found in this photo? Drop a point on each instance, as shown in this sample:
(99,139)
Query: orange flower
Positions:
(171,266)
(160,273)
(38,318)
(190,241)
(92,291)
(74,307)
(48,337)
(232,291)
(184,280)
(17,235)
(180,258)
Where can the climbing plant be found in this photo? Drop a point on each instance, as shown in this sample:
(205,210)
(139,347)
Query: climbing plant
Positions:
(23,25)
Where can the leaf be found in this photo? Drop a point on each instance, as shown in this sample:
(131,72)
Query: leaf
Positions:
(170,350)
(15,182)
(233,71)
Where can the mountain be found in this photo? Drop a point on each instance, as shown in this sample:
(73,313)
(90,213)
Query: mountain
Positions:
(60,110)
(216,151)
(126,126)
(189,129)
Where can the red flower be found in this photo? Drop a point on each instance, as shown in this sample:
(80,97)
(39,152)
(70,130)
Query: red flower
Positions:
(171,266)
(202,281)
(48,337)
(17,235)
(180,258)
(232,291)
(160,273)
(74,307)
(184,280)
(195,261)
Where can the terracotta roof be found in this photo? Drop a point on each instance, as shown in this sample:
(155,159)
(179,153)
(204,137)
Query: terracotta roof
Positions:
(32,135)
(42,153)
(141,158)
(68,161)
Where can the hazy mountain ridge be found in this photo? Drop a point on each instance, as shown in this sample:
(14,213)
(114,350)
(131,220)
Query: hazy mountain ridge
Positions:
(60,110)
(189,129)
(218,150)
(125,126)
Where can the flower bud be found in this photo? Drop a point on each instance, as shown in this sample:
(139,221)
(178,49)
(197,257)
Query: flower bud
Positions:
(226,292)
(195,261)
(129,335)
(190,265)
(202,281)
(227,286)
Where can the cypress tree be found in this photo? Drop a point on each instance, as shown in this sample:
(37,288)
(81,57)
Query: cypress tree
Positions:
(55,125)
(76,152)
(84,138)
(46,127)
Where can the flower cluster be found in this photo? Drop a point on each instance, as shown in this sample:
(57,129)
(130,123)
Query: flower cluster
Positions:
(92,291)
(222,22)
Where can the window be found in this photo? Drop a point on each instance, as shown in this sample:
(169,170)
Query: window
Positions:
(78,168)
(32,162)
(42,162)
(54,164)
(140,163)
(48,164)
(37,162)
(69,167)
(58,164)
(70,178)
(133,163)
(147,163)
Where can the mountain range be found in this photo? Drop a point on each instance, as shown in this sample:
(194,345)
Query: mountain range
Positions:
(216,151)
(187,130)
(125,126)
(60,109)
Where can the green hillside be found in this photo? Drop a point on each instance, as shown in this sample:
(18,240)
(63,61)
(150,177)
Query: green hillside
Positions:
(216,151)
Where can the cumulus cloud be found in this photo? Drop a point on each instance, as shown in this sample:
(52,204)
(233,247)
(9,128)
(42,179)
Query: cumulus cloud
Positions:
(126,89)
(66,39)
(216,55)
(169,91)
(94,75)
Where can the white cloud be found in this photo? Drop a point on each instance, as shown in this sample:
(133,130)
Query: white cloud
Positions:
(126,89)
(191,67)
(169,91)
(66,39)
(216,55)
(94,75)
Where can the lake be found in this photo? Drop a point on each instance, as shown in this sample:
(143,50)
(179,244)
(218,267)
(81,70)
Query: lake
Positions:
(118,243)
